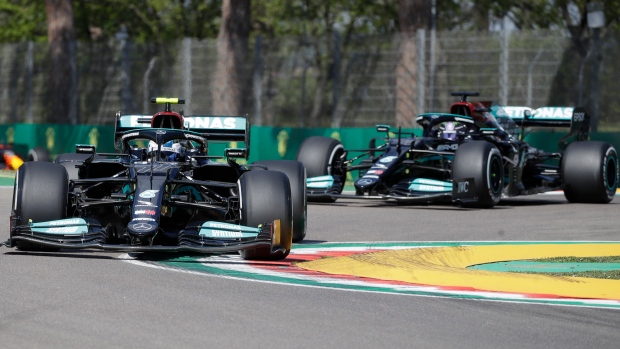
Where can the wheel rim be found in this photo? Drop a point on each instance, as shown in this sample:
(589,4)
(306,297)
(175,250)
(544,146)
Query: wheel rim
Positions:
(611,173)
(495,175)
(334,165)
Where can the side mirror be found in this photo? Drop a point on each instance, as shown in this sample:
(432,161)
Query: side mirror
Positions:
(236,153)
(383,128)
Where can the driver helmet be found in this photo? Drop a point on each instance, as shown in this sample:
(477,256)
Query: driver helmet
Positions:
(447,130)
(170,151)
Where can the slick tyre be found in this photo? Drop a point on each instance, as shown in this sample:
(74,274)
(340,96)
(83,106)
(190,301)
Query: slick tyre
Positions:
(481,161)
(296,173)
(39,194)
(264,197)
(590,172)
(38,154)
(321,156)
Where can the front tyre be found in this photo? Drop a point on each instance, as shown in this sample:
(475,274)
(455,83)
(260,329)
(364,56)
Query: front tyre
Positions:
(481,161)
(39,195)
(296,174)
(590,172)
(323,156)
(264,197)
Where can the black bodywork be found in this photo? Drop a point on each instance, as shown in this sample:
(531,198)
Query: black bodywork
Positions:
(419,169)
(141,200)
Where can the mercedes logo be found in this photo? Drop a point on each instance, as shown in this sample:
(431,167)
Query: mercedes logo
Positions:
(142,226)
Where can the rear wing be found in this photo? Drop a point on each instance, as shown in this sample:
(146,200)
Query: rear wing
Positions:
(576,118)
(212,127)
(541,117)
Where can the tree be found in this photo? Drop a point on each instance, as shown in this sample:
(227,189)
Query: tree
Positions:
(22,20)
(62,66)
(413,15)
(321,26)
(232,47)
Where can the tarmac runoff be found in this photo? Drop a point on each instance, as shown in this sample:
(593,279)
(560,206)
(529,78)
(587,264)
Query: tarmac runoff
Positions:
(450,267)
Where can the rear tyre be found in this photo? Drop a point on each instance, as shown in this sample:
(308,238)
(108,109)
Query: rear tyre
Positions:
(264,197)
(590,172)
(40,195)
(38,154)
(321,156)
(481,161)
(296,174)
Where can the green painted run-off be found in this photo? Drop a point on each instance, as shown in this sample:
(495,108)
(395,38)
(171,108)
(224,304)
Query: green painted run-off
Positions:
(545,267)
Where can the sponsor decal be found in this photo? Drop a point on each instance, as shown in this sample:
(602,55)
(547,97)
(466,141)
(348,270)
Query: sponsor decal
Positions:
(443,147)
(552,112)
(144,219)
(191,136)
(224,226)
(388,159)
(375,172)
(146,203)
(66,222)
(142,227)
(463,187)
(513,112)
(423,187)
(425,184)
(129,135)
(378,166)
(469,121)
(364,181)
(212,122)
(63,230)
(374,177)
(160,132)
(578,117)
(226,234)
(149,212)
(148,194)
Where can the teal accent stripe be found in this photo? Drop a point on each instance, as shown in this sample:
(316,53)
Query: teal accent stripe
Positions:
(545,267)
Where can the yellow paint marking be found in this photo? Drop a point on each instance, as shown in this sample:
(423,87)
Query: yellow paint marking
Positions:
(446,266)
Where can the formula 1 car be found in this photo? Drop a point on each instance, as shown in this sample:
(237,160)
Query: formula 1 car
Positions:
(162,192)
(472,156)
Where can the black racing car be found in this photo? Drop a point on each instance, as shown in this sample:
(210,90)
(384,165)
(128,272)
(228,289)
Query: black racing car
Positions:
(162,192)
(472,156)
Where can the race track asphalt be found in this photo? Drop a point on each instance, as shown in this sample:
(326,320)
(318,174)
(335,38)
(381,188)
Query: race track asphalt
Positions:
(99,300)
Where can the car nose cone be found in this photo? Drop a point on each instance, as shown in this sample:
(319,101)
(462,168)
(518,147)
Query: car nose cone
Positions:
(142,228)
(366,182)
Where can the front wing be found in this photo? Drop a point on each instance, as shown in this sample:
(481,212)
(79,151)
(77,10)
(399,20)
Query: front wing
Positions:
(209,237)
